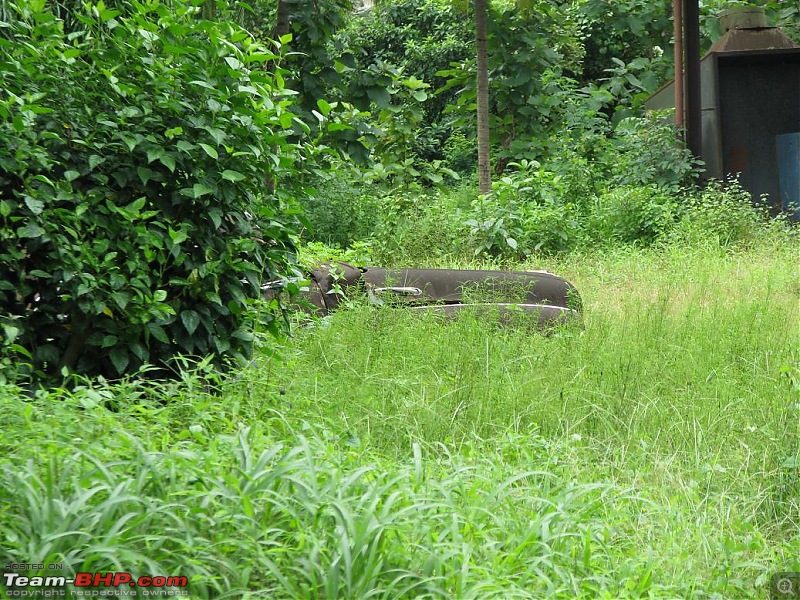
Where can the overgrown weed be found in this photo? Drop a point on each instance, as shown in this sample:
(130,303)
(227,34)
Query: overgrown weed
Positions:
(393,454)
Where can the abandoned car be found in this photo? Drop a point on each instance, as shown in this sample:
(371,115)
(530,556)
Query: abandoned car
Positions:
(550,299)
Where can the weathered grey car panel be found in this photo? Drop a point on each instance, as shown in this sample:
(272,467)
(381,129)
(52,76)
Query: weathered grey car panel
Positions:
(550,299)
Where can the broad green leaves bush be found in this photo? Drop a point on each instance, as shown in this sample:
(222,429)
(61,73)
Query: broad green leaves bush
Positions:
(418,226)
(633,215)
(526,212)
(141,190)
(647,151)
(724,214)
(339,214)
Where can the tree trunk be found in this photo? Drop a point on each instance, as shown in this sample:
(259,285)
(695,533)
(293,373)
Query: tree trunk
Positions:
(282,24)
(481,42)
(209,10)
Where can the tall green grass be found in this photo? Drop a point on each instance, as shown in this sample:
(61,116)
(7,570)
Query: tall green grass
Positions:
(680,385)
(672,341)
(652,452)
(272,510)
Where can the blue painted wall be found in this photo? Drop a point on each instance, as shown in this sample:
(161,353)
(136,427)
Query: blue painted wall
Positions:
(787,146)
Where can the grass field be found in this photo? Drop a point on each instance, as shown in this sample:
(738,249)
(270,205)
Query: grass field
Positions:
(653,452)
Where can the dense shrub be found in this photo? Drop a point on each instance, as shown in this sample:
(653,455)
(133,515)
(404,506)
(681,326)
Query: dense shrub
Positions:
(340,212)
(724,214)
(597,185)
(461,153)
(647,151)
(528,211)
(418,226)
(632,215)
(136,213)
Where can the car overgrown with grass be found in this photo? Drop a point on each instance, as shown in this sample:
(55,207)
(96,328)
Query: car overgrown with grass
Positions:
(539,295)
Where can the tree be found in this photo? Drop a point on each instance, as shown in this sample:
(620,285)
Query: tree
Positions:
(282,24)
(530,45)
(481,44)
(134,221)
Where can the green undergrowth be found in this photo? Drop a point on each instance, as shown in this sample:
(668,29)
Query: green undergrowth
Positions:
(652,452)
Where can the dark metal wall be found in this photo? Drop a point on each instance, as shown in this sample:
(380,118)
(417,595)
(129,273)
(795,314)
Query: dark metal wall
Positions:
(759,99)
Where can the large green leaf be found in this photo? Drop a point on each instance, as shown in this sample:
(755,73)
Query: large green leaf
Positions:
(232,175)
(212,152)
(31,230)
(190,320)
(157,331)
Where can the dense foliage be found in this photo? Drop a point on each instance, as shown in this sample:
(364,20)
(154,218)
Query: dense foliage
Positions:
(153,157)
(157,160)
(653,453)
(143,199)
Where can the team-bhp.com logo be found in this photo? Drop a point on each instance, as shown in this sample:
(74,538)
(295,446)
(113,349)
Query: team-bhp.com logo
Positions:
(96,584)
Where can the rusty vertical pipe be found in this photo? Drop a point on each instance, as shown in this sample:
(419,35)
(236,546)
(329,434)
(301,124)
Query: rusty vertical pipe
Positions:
(677,18)
(691,44)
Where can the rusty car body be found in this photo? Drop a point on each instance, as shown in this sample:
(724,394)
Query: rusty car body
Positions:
(549,299)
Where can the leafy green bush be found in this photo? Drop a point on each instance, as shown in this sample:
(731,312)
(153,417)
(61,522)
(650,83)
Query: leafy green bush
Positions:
(461,153)
(526,212)
(724,214)
(417,226)
(632,215)
(341,211)
(136,212)
(592,157)
(646,151)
